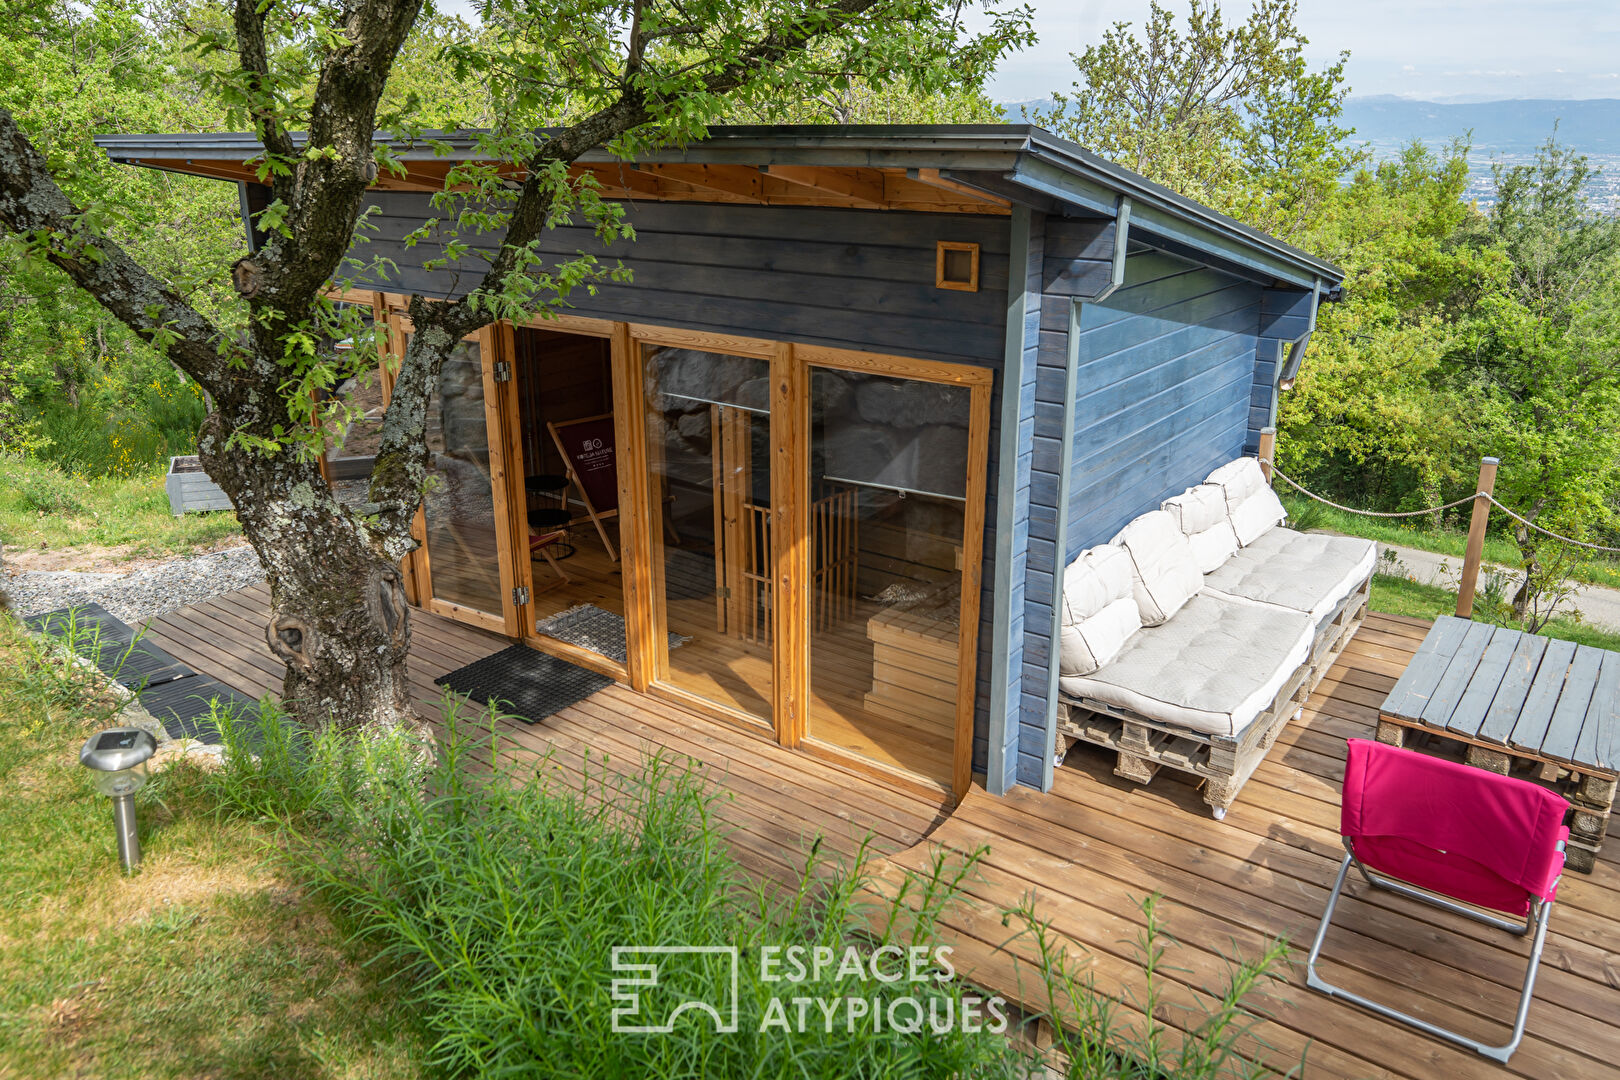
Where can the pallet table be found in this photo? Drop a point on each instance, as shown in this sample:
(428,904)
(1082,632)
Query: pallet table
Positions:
(1510,696)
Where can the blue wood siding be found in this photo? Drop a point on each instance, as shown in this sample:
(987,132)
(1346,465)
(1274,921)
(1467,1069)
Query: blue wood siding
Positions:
(1285,316)
(1077,260)
(847,278)
(1166,373)
(1014,543)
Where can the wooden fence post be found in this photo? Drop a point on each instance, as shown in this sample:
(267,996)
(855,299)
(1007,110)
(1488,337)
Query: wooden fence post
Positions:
(1476,538)
(1268,450)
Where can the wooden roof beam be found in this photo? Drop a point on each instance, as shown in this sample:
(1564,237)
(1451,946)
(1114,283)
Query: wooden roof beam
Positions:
(625,177)
(858,189)
(727,179)
(933,179)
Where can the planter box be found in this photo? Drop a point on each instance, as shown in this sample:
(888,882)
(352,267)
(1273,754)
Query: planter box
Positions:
(191,490)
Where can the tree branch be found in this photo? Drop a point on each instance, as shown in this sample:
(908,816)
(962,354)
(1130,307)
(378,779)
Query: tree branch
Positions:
(337,165)
(401,462)
(254,56)
(35,207)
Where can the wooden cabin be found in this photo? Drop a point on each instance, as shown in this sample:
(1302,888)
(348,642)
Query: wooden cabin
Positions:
(867,388)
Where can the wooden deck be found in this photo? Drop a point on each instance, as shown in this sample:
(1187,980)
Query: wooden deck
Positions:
(776,801)
(1095,845)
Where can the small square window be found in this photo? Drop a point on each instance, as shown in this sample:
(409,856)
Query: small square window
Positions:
(956,266)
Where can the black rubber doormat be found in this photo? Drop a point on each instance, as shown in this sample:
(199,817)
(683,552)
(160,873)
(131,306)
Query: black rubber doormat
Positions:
(106,641)
(185,707)
(525,682)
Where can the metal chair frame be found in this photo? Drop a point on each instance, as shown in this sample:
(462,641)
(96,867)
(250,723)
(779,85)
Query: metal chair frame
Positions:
(1536,920)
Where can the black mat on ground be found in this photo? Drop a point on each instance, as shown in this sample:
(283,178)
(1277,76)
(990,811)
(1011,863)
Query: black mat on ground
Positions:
(524,682)
(105,640)
(183,706)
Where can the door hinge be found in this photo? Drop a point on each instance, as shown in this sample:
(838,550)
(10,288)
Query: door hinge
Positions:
(520,596)
(503,371)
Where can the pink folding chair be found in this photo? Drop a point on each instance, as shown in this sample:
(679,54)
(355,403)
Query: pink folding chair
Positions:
(1460,838)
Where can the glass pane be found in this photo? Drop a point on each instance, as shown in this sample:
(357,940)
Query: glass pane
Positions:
(353,444)
(708,440)
(463,553)
(888,474)
(564,387)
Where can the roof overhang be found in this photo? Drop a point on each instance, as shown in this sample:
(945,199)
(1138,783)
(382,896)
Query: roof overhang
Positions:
(961,168)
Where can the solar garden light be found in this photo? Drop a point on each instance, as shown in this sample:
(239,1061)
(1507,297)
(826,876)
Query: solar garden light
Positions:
(118,756)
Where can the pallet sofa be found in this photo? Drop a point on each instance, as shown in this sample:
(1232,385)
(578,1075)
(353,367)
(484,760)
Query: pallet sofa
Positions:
(1198,631)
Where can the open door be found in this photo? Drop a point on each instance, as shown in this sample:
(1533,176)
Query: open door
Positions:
(464,568)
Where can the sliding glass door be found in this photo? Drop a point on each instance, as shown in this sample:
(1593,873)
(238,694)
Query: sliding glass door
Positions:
(888,483)
(709,460)
(464,566)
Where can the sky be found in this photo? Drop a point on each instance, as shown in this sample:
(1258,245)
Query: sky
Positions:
(1431,50)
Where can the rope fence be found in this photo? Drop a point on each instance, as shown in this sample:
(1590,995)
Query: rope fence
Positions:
(1481,494)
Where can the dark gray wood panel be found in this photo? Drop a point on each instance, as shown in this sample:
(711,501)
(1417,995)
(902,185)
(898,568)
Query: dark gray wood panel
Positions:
(1539,704)
(1564,729)
(1510,697)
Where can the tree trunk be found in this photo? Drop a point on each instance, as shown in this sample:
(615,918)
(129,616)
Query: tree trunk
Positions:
(338,616)
(1531,567)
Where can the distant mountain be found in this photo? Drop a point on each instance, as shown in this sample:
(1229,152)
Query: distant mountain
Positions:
(1499,127)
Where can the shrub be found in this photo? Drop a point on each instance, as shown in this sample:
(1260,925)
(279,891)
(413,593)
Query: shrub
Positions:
(1098,1045)
(49,492)
(503,894)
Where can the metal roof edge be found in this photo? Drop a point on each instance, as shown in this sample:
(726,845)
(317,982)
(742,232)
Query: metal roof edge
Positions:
(1006,149)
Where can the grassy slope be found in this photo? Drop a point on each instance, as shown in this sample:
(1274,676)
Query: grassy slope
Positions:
(1409,533)
(208,963)
(1398,596)
(42,507)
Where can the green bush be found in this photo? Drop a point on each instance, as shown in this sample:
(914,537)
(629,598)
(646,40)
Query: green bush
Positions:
(123,438)
(50,492)
(504,895)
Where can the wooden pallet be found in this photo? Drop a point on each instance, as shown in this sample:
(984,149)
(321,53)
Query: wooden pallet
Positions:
(1513,698)
(1223,762)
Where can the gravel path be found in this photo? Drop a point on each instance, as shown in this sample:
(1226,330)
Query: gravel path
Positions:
(138,594)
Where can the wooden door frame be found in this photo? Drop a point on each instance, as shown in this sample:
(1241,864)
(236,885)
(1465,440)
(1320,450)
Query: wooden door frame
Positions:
(978,381)
(508,621)
(517,502)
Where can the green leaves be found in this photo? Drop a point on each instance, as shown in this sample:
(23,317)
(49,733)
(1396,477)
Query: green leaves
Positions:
(1230,115)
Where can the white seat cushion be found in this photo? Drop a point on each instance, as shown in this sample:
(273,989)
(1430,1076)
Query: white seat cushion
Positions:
(1200,514)
(1165,573)
(1099,610)
(1250,503)
(1309,572)
(1212,669)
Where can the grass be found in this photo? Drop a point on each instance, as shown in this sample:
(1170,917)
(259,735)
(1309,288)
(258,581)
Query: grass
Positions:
(211,962)
(43,508)
(1421,534)
(1400,596)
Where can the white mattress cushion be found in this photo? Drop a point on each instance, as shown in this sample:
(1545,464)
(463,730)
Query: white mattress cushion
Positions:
(1200,514)
(1250,503)
(1165,573)
(1099,610)
(1309,572)
(1212,669)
